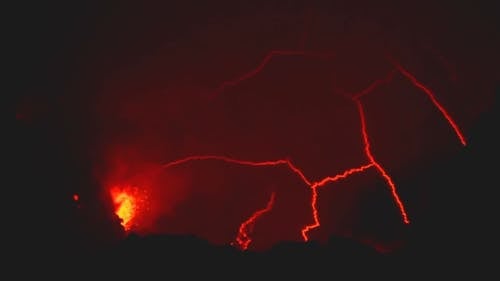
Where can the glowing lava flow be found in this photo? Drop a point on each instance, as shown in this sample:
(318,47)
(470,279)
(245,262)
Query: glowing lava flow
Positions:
(292,167)
(379,167)
(126,203)
(314,200)
(369,154)
(431,95)
(322,182)
(243,239)
(226,159)
(366,141)
(125,206)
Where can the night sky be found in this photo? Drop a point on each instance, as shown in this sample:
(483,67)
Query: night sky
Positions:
(105,94)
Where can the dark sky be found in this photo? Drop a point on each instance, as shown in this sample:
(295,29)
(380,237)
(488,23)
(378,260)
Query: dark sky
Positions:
(106,93)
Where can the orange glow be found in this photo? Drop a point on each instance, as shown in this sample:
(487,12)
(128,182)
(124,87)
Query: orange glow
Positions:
(125,206)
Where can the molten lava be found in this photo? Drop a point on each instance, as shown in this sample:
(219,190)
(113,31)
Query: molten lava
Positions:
(243,239)
(130,204)
(125,206)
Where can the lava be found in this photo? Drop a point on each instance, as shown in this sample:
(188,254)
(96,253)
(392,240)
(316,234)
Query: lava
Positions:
(230,160)
(433,98)
(314,198)
(377,165)
(126,202)
(364,133)
(243,239)
(125,206)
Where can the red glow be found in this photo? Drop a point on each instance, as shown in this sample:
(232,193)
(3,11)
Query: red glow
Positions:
(262,65)
(379,167)
(315,213)
(243,239)
(226,159)
(374,85)
(314,199)
(431,95)
(76,198)
(127,201)
(314,186)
